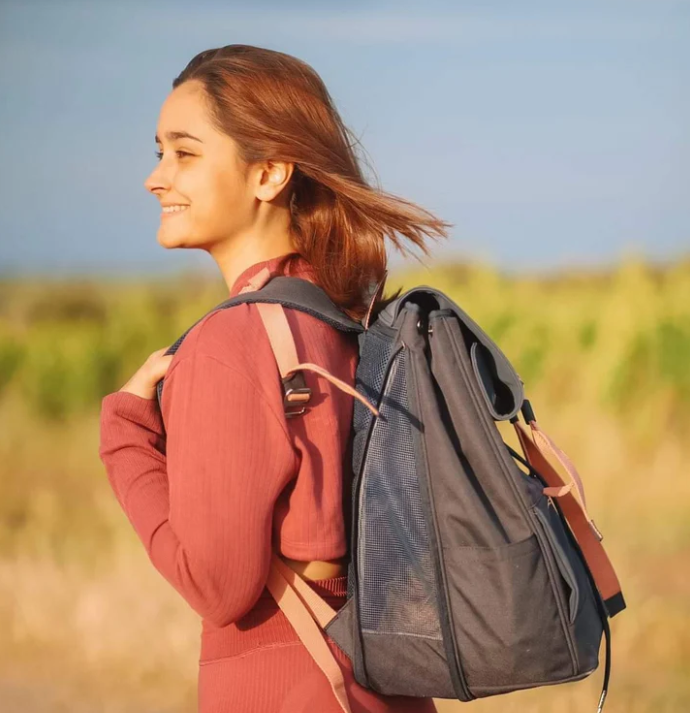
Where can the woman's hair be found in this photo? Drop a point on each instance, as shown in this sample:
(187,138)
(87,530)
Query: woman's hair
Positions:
(275,106)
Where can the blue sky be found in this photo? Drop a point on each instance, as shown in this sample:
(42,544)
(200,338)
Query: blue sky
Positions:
(549,133)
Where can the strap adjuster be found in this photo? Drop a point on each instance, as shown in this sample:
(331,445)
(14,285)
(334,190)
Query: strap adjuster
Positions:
(296,392)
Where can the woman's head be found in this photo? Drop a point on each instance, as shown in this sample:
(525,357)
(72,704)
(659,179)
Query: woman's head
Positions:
(275,157)
(210,196)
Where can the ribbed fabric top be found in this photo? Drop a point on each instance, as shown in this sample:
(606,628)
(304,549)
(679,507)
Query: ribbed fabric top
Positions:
(218,477)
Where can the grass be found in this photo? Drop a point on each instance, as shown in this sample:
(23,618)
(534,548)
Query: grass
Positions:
(605,360)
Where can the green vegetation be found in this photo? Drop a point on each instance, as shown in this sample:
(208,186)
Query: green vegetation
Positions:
(623,335)
(606,362)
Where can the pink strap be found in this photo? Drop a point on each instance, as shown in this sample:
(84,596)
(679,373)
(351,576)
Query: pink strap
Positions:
(558,492)
(587,535)
(337,382)
(283,345)
(542,438)
(280,583)
(302,606)
(279,334)
(321,610)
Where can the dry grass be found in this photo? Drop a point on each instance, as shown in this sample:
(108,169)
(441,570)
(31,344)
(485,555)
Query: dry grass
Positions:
(89,625)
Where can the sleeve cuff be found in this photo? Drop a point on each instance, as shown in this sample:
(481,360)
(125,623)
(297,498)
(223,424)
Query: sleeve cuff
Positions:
(134,408)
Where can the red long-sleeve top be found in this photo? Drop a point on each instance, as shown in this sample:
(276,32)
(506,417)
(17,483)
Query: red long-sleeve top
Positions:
(218,477)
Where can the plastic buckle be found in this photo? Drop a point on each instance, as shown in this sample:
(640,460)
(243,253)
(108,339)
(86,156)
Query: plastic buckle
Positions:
(296,392)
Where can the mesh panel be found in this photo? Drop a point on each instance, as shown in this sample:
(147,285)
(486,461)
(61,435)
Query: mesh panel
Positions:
(397,584)
(371,370)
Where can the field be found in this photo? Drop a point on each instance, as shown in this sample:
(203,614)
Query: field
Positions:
(605,357)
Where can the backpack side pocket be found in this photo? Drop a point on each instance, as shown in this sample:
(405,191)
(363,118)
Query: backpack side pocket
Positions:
(506,617)
(586,627)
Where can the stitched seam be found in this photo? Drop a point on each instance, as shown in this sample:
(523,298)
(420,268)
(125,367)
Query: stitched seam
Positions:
(256,385)
(302,543)
(245,378)
(258,392)
(257,649)
(168,374)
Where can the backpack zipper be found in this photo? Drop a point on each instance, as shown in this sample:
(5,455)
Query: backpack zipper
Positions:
(454,664)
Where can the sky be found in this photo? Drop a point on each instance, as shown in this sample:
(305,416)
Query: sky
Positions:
(550,134)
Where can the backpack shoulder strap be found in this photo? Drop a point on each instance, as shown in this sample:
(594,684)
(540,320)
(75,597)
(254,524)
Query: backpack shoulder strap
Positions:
(301,295)
(285,352)
(271,295)
(290,292)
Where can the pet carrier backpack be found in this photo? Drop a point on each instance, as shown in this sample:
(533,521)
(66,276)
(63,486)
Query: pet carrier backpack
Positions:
(473,570)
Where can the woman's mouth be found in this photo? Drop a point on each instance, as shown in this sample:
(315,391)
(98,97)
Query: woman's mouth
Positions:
(168,211)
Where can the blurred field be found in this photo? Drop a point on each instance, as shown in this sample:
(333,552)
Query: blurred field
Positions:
(606,361)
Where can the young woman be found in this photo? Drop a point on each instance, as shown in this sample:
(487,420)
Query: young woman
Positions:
(256,168)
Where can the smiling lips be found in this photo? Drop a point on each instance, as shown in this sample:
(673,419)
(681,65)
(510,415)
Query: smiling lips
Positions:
(173,209)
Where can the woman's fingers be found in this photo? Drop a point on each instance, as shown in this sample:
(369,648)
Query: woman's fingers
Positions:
(159,364)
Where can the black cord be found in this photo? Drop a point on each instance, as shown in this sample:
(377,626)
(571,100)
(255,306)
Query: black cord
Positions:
(607,665)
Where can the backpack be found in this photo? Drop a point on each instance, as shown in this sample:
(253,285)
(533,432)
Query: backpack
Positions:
(473,570)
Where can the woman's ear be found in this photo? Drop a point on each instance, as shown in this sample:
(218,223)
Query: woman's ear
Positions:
(270,178)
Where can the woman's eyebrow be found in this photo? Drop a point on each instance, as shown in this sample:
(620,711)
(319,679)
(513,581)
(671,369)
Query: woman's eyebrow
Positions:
(172,135)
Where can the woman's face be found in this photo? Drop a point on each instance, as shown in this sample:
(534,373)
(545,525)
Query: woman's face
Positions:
(201,171)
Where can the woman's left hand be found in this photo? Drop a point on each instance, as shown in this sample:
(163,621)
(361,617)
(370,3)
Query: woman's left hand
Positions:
(144,381)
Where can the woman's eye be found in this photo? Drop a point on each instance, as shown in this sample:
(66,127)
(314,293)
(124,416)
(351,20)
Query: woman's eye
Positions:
(159,154)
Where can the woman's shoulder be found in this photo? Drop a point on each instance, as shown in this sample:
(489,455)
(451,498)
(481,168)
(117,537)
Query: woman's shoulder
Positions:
(225,334)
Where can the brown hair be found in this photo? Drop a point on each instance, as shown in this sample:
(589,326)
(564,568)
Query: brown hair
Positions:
(275,106)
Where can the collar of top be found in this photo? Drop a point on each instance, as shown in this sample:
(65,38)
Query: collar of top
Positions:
(291,263)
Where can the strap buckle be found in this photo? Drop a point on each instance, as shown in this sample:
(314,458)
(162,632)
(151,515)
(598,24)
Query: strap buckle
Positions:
(296,392)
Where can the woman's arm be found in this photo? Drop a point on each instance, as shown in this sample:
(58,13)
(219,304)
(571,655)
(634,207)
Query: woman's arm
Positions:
(201,501)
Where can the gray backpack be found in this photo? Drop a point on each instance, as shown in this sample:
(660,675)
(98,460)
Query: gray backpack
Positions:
(474,570)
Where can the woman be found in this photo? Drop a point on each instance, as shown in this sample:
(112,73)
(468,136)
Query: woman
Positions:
(257,169)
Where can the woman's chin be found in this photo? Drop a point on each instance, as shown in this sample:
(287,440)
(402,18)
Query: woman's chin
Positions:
(169,238)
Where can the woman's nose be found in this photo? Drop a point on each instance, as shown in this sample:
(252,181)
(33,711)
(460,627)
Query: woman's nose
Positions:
(157,179)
